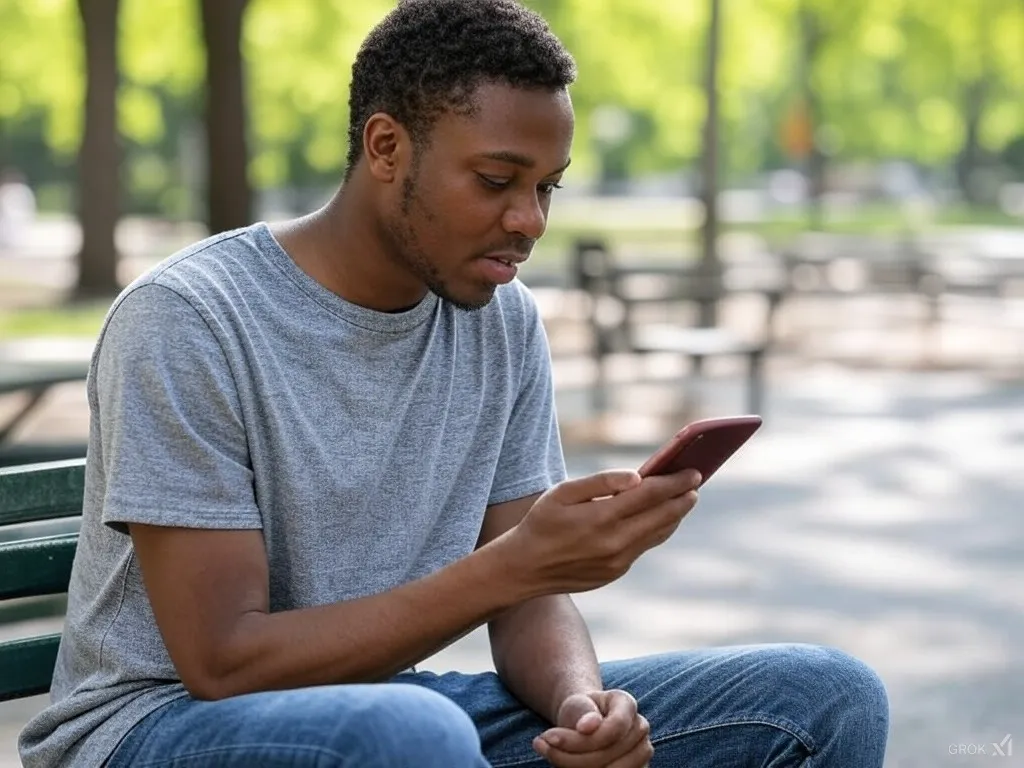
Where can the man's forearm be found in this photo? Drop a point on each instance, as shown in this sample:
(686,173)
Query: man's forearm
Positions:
(366,639)
(543,653)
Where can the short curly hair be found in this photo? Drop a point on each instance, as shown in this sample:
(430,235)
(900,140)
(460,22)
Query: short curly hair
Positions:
(428,56)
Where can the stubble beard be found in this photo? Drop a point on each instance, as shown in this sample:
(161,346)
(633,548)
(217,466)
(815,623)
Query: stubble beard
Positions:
(411,254)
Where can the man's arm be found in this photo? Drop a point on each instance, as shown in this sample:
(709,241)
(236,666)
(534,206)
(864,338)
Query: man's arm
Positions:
(541,648)
(210,595)
(209,590)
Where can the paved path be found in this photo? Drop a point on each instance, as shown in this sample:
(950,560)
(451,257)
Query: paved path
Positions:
(876,511)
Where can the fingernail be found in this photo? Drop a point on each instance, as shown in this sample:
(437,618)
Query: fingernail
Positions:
(554,741)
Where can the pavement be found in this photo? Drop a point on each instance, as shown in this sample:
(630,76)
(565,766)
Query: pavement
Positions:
(878,511)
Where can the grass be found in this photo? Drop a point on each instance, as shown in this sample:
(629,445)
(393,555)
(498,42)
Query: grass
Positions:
(76,320)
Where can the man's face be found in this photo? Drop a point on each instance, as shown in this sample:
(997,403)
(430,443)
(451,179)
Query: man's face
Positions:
(475,198)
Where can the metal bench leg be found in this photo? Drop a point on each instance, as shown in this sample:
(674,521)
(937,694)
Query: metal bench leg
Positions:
(35,395)
(755,382)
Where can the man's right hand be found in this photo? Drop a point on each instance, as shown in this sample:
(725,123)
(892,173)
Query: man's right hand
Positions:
(585,533)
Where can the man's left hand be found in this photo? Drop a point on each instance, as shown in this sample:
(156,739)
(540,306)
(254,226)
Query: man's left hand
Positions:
(597,730)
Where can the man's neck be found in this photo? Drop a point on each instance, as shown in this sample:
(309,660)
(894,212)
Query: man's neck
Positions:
(340,247)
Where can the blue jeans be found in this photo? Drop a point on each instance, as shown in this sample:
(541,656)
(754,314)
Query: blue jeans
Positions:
(752,706)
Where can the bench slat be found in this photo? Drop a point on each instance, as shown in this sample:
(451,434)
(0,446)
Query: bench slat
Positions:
(40,566)
(693,341)
(41,491)
(26,666)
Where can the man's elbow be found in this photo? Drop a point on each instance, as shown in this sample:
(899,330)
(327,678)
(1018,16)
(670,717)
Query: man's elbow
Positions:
(204,688)
(223,666)
(207,682)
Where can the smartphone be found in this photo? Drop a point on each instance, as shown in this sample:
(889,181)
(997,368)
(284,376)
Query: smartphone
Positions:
(704,445)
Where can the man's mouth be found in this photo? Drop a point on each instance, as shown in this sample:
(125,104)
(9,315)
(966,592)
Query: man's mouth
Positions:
(507,258)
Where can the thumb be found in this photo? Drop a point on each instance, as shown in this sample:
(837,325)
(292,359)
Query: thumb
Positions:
(607,483)
(581,713)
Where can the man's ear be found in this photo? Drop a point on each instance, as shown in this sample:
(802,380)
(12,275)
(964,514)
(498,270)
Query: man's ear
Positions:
(386,147)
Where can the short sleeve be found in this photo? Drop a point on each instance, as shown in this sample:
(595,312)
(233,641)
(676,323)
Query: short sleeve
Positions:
(171,435)
(531,459)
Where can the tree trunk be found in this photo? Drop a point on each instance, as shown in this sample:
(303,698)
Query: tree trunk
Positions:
(229,197)
(710,265)
(967,159)
(812,36)
(99,157)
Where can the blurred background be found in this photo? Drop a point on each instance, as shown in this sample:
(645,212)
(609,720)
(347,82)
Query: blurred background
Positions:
(813,209)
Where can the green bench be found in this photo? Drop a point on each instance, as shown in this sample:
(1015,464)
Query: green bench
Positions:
(40,509)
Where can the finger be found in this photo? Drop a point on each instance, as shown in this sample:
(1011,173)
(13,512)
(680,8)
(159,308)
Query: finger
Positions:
(690,477)
(573,750)
(679,509)
(640,750)
(638,757)
(620,713)
(589,723)
(621,723)
(574,741)
(599,485)
(580,711)
(653,491)
(648,530)
(616,701)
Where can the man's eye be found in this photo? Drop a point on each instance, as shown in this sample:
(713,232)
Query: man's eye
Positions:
(548,187)
(493,183)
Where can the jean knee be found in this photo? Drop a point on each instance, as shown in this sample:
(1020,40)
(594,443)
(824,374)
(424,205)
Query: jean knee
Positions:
(423,728)
(845,690)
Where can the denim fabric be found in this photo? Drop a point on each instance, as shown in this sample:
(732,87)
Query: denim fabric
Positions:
(747,706)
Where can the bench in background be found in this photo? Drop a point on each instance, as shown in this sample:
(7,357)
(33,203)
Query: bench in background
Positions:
(618,291)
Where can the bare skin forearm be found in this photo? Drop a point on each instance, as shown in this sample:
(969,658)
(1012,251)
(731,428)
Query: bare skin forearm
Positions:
(367,639)
(543,653)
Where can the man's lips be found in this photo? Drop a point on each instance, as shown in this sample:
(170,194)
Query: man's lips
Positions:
(500,267)
(508,257)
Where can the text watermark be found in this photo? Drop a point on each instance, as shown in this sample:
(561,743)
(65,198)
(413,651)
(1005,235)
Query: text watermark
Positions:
(1003,748)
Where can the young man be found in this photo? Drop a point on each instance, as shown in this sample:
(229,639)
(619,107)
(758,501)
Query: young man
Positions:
(323,450)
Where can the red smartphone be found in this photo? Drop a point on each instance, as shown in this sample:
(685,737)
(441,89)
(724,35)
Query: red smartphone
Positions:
(704,445)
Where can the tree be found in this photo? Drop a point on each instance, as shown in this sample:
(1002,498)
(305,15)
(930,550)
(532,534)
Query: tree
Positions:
(229,197)
(892,79)
(99,158)
(710,265)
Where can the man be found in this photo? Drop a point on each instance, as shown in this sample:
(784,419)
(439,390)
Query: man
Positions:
(323,450)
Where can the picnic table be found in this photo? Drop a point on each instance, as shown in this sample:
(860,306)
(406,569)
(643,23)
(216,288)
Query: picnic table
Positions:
(32,368)
(620,288)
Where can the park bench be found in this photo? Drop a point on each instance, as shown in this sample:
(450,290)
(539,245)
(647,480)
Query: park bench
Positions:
(40,508)
(618,291)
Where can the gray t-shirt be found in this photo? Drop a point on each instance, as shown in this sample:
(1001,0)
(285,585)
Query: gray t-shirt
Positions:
(231,390)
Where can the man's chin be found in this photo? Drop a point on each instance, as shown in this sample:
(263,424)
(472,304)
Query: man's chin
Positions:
(468,301)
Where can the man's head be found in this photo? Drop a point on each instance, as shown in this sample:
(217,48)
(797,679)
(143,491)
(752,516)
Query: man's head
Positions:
(461,124)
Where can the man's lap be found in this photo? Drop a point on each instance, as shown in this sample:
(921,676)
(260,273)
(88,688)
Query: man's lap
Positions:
(735,706)
(699,703)
(336,726)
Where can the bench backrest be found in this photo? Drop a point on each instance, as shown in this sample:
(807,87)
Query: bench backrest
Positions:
(34,562)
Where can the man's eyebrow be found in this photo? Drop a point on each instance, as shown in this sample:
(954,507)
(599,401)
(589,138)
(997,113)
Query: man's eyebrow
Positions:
(508,156)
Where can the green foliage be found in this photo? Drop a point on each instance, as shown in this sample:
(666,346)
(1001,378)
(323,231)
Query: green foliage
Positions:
(893,78)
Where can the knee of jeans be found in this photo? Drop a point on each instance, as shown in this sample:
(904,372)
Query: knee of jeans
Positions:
(844,686)
(425,727)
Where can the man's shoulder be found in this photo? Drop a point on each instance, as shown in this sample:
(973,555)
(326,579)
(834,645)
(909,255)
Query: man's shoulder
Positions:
(192,263)
(514,301)
(199,269)
(194,279)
